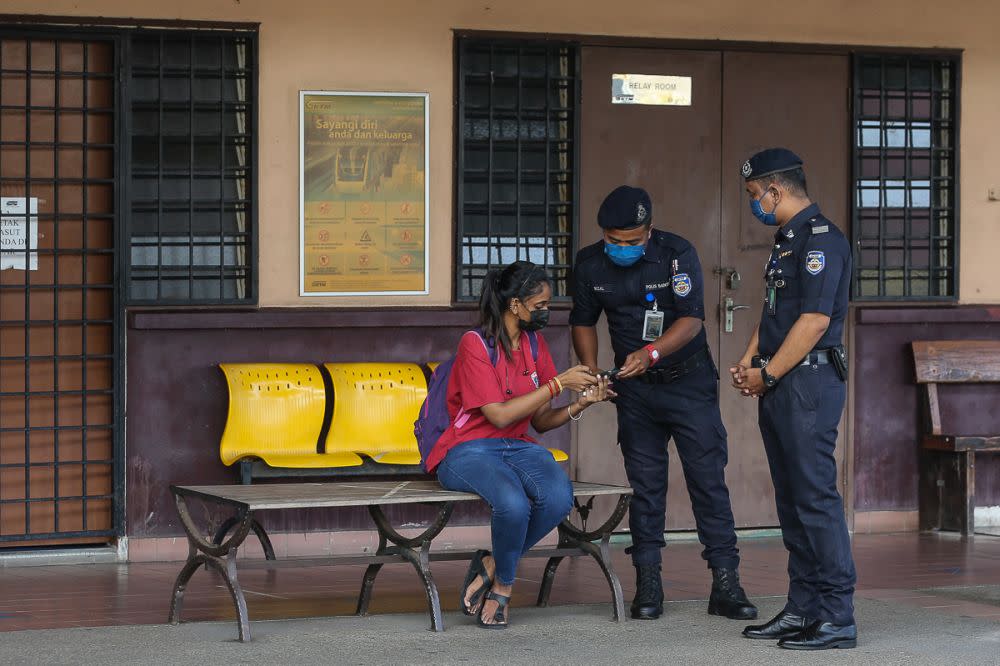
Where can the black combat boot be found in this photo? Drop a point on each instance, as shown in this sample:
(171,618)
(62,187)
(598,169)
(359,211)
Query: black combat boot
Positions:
(728,598)
(648,601)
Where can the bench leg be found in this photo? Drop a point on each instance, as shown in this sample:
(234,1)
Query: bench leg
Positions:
(221,557)
(548,577)
(416,551)
(368,581)
(948,491)
(258,530)
(570,535)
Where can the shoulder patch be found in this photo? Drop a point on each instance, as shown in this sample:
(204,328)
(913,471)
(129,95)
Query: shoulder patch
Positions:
(815,261)
(821,229)
(681,284)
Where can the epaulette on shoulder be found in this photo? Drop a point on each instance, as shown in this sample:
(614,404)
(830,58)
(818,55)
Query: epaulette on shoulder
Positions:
(592,250)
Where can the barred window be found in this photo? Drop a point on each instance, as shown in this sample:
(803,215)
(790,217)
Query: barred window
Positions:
(516,159)
(190,107)
(905,208)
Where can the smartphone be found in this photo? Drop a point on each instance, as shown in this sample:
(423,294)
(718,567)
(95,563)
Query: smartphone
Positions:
(610,374)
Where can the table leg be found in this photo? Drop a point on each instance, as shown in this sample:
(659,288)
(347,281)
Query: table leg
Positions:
(570,535)
(416,551)
(221,557)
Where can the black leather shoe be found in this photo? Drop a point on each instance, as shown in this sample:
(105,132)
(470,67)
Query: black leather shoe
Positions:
(783,625)
(648,601)
(822,636)
(728,598)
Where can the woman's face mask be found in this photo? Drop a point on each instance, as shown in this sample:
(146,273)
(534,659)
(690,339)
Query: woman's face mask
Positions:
(539,320)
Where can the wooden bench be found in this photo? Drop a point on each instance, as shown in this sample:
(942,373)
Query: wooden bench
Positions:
(947,460)
(245,501)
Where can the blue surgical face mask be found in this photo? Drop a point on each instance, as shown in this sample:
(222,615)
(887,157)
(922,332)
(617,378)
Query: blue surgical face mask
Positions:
(624,255)
(758,211)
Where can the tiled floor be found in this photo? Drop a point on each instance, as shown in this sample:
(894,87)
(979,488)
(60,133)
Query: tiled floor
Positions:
(896,568)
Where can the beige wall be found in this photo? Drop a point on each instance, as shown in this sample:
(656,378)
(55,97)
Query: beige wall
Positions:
(406,45)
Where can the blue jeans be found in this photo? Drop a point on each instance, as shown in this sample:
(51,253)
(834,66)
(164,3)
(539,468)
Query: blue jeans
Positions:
(527,490)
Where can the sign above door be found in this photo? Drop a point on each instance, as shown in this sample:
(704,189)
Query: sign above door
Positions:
(651,89)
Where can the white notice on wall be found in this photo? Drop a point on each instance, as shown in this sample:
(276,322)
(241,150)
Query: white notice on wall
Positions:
(18,233)
(650,89)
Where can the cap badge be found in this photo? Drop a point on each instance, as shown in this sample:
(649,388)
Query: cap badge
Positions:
(640,212)
(747,169)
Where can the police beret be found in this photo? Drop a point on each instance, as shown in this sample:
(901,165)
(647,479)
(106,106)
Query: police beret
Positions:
(772,160)
(626,207)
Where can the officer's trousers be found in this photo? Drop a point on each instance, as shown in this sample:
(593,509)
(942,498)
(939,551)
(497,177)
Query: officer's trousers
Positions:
(798,421)
(687,410)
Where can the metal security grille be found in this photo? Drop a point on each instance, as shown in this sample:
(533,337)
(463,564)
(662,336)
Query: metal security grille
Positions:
(191,118)
(905,177)
(517,153)
(58,299)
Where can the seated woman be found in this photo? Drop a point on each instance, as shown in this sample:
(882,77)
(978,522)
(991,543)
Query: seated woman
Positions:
(486,449)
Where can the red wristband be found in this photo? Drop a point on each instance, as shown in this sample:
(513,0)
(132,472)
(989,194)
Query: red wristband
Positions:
(654,355)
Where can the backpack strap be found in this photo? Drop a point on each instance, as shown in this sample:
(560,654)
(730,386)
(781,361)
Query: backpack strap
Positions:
(491,350)
(533,341)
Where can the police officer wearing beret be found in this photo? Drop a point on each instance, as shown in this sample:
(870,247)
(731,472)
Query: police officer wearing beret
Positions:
(797,367)
(649,284)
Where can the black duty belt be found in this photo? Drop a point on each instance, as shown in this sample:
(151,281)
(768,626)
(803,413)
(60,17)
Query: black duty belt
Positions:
(671,373)
(815,357)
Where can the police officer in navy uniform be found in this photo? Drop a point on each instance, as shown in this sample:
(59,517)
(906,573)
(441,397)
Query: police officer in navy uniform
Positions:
(796,365)
(649,284)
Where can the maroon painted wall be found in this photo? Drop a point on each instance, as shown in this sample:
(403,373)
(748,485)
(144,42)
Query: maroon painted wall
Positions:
(176,395)
(887,402)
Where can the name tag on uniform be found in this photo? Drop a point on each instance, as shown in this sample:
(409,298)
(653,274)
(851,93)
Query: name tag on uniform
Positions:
(652,325)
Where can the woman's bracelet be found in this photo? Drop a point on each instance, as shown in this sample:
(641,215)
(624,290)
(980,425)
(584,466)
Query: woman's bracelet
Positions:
(552,391)
(558,384)
(570,412)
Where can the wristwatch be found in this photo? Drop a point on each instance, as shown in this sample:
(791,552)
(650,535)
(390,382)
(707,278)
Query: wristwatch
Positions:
(769,380)
(654,355)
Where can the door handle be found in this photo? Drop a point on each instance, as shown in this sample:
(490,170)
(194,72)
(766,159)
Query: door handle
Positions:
(730,307)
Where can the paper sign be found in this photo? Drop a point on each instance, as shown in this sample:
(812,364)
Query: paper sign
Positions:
(363,179)
(18,232)
(651,90)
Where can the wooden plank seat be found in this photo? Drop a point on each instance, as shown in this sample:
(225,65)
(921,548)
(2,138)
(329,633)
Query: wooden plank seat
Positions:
(245,501)
(947,460)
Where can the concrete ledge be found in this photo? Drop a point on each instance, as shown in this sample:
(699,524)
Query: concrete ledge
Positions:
(50,556)
(884,522)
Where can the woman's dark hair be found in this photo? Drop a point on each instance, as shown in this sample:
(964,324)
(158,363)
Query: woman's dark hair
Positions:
(520,280)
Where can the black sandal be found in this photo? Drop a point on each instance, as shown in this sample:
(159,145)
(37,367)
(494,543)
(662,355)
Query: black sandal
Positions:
(500,615)
(476,568)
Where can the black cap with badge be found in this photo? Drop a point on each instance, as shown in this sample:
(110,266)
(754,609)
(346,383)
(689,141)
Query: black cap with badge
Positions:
(767,162)
(625,208)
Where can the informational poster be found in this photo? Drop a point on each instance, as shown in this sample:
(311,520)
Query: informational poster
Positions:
(363,193)
(18,233)
(651,90)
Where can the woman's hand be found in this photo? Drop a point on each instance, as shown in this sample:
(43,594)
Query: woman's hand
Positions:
(597,393)
(577,378)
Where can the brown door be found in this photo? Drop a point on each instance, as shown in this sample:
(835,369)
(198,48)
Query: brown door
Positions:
(57,299)
(799,102)
(688,158)
(674,152)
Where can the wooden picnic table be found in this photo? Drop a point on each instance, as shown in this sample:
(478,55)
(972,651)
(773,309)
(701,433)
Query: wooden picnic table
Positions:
(246,500)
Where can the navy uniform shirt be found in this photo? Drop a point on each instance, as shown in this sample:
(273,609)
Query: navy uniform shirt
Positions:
(810,267)
(620,292)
